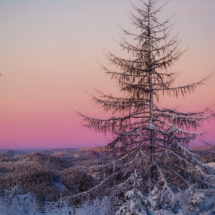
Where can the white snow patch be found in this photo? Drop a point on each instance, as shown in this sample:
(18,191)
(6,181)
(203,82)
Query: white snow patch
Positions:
(212,165)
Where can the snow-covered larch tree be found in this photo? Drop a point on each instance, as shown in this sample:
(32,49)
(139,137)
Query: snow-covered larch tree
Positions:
(150,140)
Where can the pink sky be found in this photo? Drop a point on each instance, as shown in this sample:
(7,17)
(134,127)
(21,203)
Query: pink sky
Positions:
(48,58)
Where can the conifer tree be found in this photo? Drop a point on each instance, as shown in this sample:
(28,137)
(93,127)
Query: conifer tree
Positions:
(150,140)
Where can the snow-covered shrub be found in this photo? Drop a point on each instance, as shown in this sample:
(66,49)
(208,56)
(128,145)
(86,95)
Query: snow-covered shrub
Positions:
(15,203)
(136,204)
(102,206)
(195,201)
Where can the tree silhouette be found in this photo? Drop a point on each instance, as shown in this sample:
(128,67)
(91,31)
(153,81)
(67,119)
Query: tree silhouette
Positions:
(149,140)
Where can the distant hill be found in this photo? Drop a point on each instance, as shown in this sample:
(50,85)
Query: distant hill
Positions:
(97,149)
(203,148)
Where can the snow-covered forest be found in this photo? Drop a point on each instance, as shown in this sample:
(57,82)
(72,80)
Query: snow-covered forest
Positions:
(12,197)
(191,201)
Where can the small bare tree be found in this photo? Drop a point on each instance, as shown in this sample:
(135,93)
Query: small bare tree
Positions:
(151,141)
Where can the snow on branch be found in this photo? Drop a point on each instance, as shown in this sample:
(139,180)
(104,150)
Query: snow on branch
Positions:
(185,89)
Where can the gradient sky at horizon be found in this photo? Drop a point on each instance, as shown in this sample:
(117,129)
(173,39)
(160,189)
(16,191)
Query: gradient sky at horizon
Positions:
(49,54)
